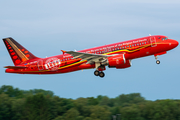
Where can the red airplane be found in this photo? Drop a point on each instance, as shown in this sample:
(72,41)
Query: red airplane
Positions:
(117,55)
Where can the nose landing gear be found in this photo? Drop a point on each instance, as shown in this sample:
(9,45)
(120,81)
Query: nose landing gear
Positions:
(157,61)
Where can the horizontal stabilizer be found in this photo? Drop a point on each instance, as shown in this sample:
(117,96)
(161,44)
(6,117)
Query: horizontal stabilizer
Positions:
(15,67)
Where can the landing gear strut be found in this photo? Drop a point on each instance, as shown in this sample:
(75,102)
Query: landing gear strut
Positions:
(157,61)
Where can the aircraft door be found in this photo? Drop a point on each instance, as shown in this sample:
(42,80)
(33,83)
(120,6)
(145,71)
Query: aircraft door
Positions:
(40,65)
(153,41)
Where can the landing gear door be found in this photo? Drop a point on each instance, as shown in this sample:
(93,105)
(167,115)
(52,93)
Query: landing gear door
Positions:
(153,41)
(40,65)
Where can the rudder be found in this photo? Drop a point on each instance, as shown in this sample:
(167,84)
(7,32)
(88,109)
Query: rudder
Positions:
(18,53)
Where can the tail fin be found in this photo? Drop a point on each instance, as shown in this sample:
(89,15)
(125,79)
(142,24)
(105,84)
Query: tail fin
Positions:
(17,52)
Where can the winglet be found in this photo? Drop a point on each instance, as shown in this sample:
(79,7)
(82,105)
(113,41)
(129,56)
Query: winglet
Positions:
(63,51)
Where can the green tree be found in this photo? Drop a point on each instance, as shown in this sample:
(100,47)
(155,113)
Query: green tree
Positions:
(11,92)
(5,107)
(104,101)
(18,108)
(62,105)
(71,114)
(81,104)
(100,113)
(59,118)
(88,118)
(126,100)
(131,113)
(37,107)
(37,91)
(92,101)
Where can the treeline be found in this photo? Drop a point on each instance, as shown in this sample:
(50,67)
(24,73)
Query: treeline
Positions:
(40,104)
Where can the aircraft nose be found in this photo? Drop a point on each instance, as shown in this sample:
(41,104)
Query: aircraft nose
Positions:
(175,43)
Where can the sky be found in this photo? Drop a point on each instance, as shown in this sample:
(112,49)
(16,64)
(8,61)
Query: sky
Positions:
(46,27)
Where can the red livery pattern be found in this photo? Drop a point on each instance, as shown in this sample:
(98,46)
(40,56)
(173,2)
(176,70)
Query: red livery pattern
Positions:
(118,55)
(18,53)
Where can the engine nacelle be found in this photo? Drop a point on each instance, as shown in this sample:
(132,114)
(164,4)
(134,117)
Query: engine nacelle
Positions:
(117,61)
(126,65)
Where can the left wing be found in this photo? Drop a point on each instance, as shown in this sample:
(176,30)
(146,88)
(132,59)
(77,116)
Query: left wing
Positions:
(87,56)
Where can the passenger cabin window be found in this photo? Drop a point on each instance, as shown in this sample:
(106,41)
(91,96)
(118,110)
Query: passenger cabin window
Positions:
(166,38)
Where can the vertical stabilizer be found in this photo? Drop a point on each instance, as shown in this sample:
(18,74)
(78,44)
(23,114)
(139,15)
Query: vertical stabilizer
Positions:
(17,52)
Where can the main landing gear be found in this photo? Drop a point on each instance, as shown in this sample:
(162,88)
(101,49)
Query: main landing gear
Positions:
(99,70)
(157,61)
(99,73)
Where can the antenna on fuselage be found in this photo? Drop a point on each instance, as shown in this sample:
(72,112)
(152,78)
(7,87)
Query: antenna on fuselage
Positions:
(149,34)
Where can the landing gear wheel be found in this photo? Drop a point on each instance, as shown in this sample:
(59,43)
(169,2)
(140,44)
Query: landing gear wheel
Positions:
(157,62)
(101,74)
(96,73)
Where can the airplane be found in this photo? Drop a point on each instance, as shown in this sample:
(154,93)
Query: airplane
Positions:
(117,55)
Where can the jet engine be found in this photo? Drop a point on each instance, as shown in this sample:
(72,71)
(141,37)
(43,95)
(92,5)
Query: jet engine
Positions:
(117,61)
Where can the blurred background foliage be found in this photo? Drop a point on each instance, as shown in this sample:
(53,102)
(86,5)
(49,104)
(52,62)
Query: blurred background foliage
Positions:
(41,104)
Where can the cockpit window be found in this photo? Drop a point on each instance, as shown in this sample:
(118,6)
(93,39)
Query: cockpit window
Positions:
(164,38)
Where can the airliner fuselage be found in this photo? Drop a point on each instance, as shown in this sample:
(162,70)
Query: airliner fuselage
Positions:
(118,55)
